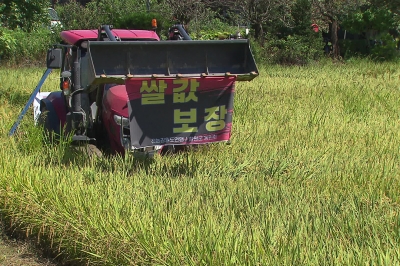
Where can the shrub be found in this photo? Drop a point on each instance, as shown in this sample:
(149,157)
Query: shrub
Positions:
(112,12)
(23,48)
(261,53)
(75,16)
(7,43)
(215,29)
(385,49)
(292,50)
(211,35)
(353,48)
(26,15)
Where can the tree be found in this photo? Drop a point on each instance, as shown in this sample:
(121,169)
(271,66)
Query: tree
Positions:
(379,26)
(193,14)
(392,5)
(260,13)
(185,11)
(302,16)
(24,14)
(331,12)
(370,21)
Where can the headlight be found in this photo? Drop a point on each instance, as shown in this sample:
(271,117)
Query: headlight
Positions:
(120,120)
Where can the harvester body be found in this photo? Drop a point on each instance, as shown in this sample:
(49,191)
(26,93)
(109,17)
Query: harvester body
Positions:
(128,89)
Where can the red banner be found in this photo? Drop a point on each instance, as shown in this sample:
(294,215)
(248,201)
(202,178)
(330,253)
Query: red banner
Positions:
(180,111)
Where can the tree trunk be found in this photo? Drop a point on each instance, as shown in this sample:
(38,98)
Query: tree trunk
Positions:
(259,33)
(334,39)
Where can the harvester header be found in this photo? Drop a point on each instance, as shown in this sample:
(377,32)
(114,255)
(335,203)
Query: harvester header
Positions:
(130,91)
(165,59)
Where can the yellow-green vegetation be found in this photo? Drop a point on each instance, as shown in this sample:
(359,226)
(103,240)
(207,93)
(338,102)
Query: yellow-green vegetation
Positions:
(311,177)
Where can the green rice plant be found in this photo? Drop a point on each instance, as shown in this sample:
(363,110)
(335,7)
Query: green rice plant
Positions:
(310,177)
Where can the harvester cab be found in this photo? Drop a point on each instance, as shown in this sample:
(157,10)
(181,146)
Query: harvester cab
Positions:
(128,89)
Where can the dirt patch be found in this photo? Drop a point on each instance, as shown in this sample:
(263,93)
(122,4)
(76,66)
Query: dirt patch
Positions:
(17,253)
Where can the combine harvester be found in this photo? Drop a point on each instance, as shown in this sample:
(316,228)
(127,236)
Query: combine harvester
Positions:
(128,89)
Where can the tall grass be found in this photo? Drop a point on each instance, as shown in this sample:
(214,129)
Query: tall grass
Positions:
(311,176)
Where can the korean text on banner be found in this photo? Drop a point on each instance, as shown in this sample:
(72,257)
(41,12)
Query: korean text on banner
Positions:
(180,111)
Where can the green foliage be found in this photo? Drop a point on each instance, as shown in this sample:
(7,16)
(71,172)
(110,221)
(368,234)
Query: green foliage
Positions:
(214,29)
(111,12)
(354,48)
(7,42)
(293,50)
(301,14)
(289,38)
(392,5)
(372,19)
(385,49)
(211,35)
(229,32)
(142,21)
(290,41)
(189,12)
(260,53)
(75,16)
(373,24)
(22,14)
(20,47)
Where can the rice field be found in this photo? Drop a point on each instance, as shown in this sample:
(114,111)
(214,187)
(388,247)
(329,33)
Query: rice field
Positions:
(311,176)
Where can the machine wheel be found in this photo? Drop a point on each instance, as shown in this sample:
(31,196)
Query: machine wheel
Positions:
(43,122)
